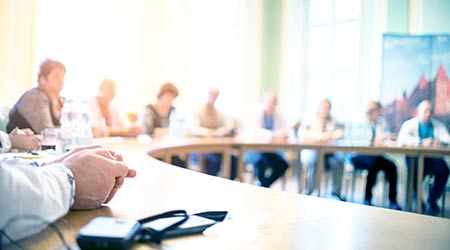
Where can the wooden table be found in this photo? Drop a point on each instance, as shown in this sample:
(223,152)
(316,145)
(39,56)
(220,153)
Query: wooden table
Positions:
(166,148)
(261,218)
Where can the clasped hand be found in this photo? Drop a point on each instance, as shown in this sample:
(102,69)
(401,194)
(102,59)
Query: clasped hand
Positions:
(98,174)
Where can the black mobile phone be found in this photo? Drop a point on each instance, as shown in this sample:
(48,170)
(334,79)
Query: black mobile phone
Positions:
(108,233)
(194,225)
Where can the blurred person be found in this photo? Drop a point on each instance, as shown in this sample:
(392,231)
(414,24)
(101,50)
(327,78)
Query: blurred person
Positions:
(375,163)
(4,112)
(268,122)
(32,197)
(156,117)
(106,117)
(21,139)
(40,107)
(209,121)
(425,131)
(323,129)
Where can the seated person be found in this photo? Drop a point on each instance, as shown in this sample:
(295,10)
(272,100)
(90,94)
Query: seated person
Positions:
(21,139)
(375,163)
(210,122)
(4,112)
(323,129)
(84,178)
(106,118)
(40,107)
(156,116)
(268,121)
(425,131)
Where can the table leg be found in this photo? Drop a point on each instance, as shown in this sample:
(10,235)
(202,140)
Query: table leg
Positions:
(167,158)
(409,186)
(240,170)
(299,172)
(420,169)
(319,168)
(202,162)
(226,166)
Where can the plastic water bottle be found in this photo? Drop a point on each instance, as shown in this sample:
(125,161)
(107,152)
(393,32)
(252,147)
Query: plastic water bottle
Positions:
(84,132)
(64,138)
(176,124)
(75,126)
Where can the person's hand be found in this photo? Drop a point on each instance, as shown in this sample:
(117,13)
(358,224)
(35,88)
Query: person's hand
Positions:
(280,136)
(325,137)
(98,174)
(100,131)
(135,130)
(222,131)
(24,139)
(427,143)
(160,132)
(435,143)
(379,141)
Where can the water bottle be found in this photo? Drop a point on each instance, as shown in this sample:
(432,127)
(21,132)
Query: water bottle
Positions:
(84,132)
(75,126)
(176,124)
(64,138)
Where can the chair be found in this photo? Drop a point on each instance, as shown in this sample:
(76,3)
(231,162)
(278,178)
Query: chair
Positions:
(293,162)
(444,194)
(355,173)
(447,189)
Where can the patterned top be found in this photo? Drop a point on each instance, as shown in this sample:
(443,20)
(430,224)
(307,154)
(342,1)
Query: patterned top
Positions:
(152,119)
(36,111)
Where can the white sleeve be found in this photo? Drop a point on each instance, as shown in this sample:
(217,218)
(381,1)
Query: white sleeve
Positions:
(280,123)
(96,114)
(118,117)
(253,127)
(33,197)
(196,128)
(5,143)
(441,133)
(407,135)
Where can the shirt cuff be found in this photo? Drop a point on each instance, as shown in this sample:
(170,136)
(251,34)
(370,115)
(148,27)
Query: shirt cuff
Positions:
(5,144)
(71,181)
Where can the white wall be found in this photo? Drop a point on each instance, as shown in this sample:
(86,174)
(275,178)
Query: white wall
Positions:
(16,48)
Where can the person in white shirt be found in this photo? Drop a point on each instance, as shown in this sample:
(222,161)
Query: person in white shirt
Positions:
(323,129)
(268,123)
(106,117)
(32,197)
(426,131)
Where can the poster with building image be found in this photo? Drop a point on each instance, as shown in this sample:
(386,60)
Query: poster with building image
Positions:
(415,67)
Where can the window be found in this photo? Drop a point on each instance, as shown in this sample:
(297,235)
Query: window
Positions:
(142,44)
(332,55)
(95,40)
(215,50)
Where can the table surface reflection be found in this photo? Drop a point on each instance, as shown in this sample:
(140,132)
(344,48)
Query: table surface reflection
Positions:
(263,218)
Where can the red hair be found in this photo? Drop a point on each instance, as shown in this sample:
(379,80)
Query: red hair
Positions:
(48,66)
